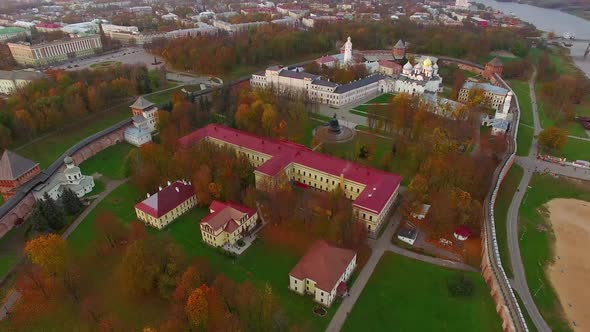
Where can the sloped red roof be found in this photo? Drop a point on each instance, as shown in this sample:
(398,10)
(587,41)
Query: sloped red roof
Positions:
(226,215)
(326,59)
(463,231)
(390,64)
(166,199)
(379,185)
(323,264)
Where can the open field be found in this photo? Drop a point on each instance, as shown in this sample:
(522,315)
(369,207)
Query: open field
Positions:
(258,264)
(409,295)
(109,162)
(536,241)
(569,273)
(105,64)
(503,200)
(524,140)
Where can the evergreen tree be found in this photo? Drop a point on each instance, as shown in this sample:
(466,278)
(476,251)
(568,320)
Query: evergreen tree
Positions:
(70,202)
(37,219)
(52,213)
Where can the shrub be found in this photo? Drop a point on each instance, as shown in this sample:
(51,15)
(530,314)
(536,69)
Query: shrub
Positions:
(460,286)
(241,243)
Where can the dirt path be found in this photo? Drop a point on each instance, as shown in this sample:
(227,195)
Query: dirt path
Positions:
(570,219)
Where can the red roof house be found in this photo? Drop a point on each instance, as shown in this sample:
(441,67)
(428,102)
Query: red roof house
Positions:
(462,233)
(167,204)
(325,267)
(226,223)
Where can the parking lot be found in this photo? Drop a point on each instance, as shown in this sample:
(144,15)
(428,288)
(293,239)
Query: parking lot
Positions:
(128,55)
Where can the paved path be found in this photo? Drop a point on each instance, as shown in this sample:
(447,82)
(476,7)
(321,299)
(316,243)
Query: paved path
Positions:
(111,185)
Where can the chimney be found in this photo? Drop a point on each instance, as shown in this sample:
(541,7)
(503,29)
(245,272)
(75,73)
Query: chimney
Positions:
(177,190)
(168,182)
(148,195)
(159,188)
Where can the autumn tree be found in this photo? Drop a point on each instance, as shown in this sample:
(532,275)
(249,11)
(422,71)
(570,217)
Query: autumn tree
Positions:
(111,228)
(197,307)
(49,252)
(553,139)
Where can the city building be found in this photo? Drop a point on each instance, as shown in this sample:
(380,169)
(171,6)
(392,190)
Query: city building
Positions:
(462,4)
(323,272)
(141,10)
(389,68)
(82,28)
(328,61)
(310,22)
(14,172)
(55,51)
(70,178)
(494,95)
(10,81)
(415,80)
(48,27)
(372,191)
(227,223)
(169,203)
(107,28)
(11,33)
(146,109)
(494,66)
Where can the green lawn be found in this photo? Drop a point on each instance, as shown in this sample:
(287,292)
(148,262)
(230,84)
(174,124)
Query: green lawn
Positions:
(503,200)
(524,140)
(160,98)
(257,264)
(576,149)
(48,149)
(6,263)
(307,138)
(409,295)
(536,242)
(521,89)
(109,162)
(381,99)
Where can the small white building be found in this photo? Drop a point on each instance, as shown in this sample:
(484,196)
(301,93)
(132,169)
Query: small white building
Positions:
(323,272)
(70,178)
(422,212)
(408,235)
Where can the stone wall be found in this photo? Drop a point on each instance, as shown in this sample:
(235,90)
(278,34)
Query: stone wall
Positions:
(21,204)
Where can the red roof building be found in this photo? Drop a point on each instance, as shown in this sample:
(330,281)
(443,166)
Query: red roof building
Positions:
(372,190)
(390,68)
(227,223)
(166,205)
(462,233)
(321,270)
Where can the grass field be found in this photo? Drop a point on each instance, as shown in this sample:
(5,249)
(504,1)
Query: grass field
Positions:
(257,264)
(109,162)
(536,242)
(507,190)
(381,99)
(409,295)
(521,89)
(105,64)
(524,140)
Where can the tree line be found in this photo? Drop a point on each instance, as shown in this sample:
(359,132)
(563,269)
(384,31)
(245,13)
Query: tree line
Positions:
(65,97)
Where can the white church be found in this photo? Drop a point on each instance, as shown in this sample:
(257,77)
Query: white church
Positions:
(413,79)
(70,178)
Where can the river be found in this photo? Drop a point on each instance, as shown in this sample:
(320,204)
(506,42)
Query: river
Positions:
(551,20)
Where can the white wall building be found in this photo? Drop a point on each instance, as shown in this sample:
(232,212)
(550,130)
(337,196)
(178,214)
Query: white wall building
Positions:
(323,272)
(462,4)
(10,81)
(70,178)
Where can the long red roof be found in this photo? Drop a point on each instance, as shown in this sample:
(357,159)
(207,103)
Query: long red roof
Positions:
(166,199)
(323,264)
(379,185)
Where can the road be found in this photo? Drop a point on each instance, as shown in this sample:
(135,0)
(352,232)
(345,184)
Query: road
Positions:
(110,186)
(530,165)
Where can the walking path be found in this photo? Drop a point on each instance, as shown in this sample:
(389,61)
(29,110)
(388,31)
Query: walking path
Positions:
(111,185)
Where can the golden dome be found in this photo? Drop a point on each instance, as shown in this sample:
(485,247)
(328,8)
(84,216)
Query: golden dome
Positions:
(427,62)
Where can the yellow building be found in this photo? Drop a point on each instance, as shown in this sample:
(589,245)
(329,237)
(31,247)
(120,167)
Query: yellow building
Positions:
(163,207)
(227,223)
(373,191)
(323,272)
